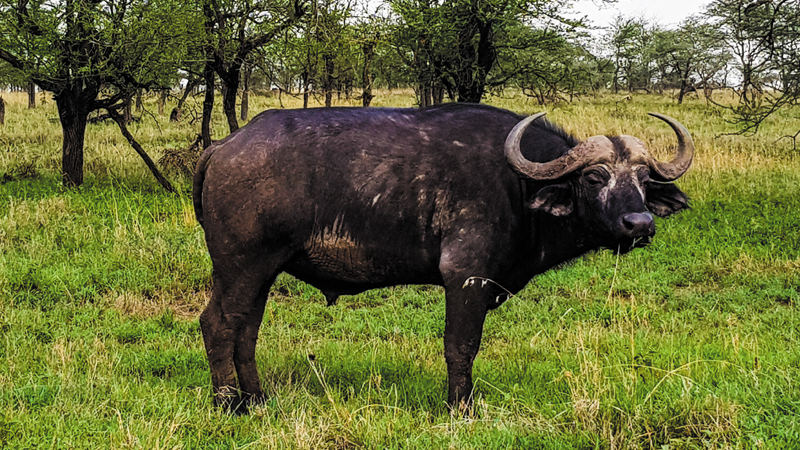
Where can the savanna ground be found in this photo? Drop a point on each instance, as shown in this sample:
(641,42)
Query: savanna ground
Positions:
(691,343)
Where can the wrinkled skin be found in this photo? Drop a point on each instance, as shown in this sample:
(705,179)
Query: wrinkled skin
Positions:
(355,199)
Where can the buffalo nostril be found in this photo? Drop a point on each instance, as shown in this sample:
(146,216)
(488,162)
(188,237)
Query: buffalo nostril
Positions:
(638,224)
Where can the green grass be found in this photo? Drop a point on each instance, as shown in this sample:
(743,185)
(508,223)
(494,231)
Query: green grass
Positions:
(691,343)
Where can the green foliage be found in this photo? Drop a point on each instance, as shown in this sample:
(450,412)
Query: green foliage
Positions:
(546,66)
(629,39)
(233,30)
(10,76)
(93,55)
(455,45)
(122,44)
(689,343)
(762,37)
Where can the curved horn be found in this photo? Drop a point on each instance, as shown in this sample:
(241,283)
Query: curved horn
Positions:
(577,157)
(668,171)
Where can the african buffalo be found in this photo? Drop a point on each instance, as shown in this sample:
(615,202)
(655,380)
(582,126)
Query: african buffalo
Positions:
(350,199)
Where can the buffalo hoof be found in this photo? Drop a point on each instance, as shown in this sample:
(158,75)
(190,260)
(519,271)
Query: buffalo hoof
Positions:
(228,399)
(236,403)
(247,402)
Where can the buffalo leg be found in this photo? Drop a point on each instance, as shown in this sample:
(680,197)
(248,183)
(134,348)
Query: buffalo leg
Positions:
(231,320)
(330,297)
(218,340)
(244,357)
(465,314)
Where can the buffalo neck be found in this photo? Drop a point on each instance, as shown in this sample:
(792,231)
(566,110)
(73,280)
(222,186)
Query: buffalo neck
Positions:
(556,240)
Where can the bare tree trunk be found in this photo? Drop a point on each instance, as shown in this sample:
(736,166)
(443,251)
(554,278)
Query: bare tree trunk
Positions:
(190,86)
(471,78)
(162,100)
(139,104)
(683,90)
(438,95)
(2,111)
(708,92)
(73,124)
(305,77)
(366,75)
(425,96)
(208,105)
(245,105)
(327,78)
(127,114)
(248,71)
(348,88)
(31,95)
(177,112)
(229,90)
(176,115)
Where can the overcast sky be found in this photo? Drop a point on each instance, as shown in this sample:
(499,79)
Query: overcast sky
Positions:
(664,12)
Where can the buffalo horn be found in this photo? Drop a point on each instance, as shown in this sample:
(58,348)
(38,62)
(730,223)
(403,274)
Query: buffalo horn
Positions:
(576,158)
(668,171)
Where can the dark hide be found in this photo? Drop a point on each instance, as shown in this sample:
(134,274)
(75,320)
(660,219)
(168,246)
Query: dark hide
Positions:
(355,199)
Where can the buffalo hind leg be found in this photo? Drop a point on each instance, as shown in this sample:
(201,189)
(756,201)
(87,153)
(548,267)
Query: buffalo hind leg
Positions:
(244,357)
(218,340)
(231,320)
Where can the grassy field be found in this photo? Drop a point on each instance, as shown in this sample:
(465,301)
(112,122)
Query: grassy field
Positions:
(691,343)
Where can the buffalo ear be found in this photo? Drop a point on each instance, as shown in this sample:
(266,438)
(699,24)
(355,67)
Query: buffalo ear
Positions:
(555,199)
(665,199)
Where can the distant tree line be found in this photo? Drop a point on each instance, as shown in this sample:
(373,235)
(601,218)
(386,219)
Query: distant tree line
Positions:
(750,48)
(103,55)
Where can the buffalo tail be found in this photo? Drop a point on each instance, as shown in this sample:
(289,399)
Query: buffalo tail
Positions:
(197,183)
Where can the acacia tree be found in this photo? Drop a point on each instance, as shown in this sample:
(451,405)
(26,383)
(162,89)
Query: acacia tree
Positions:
(548,66)
(456,42)
(289,62)
(327,29)
(422,37)
(91,54)
(234,29)
(387,66)
(368,38)
(763,37)
(629,38)
(688,57)
(318,55)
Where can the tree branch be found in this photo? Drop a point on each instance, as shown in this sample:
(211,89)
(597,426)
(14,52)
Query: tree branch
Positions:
(149,162)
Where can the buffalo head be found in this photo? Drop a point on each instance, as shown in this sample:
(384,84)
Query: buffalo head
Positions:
(612,185)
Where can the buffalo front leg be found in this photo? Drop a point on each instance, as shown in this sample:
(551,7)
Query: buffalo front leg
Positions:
(465,314)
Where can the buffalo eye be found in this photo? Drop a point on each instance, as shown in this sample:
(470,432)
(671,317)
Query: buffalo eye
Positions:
(596,177)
